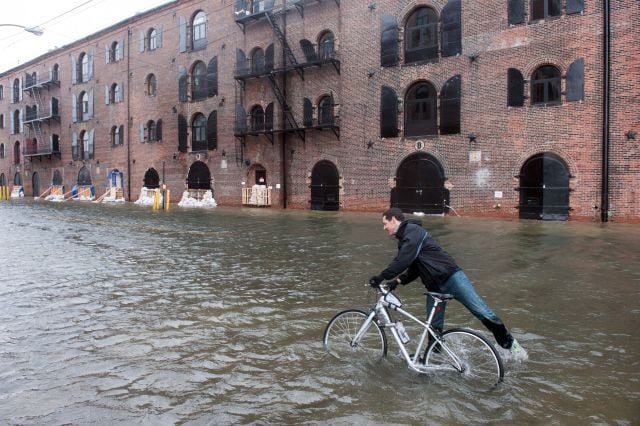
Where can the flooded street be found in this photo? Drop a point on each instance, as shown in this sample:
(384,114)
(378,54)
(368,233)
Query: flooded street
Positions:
(123,315)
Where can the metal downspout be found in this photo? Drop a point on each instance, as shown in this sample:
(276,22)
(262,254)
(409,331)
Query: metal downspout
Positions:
(129,124)
(284,112)
(604,209)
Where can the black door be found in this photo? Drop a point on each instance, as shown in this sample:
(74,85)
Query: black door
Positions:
(199,176)
(544,188)
(420,185)
(35,182)
(325,186)
(151,179)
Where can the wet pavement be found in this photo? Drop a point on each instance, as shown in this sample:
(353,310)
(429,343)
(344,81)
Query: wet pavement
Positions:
(123,315)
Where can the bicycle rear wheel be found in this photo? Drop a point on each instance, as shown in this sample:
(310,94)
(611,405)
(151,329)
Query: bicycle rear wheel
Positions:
(342,329)
(478,360)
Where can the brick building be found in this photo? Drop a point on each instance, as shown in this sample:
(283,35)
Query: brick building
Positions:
(500,108)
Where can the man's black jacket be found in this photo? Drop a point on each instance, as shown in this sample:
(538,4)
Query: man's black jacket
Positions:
(419,255)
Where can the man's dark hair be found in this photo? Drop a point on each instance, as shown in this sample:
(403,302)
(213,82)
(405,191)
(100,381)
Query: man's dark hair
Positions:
(394,212)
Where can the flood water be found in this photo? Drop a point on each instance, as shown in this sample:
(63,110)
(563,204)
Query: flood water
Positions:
(122,315)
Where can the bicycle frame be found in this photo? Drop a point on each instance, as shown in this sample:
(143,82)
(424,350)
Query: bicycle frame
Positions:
(381,310)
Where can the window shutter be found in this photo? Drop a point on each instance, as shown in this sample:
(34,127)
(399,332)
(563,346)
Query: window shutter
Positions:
(141,133)
(121,92)
(89,148)
(182,84)
(268,117)
(74,145)
(21,121)
(575,6)
(241,120)
(106,54)
(450,99)
(212,131)
(90,113)
(74,108)
(389,41)
(388,113)
(307,113)
(212,77)
(516,12)
(141,42)
(106,94)
(241,62)
(159,130)
(159,37)
(13,124)
(451,29)
(182,34)
(182,133)
(90,54)
(575,81)
(515,85)
(309,50)
(120,50)
(20,91)
(74,70)
(269,60)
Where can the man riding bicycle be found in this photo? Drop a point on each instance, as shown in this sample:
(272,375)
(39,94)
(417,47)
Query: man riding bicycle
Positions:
(419,255)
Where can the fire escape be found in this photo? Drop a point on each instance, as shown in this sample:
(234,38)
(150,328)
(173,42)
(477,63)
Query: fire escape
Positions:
(39,114)
(246,12)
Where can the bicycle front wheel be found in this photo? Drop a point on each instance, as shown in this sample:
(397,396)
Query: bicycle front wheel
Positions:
(342,329)
(471,354)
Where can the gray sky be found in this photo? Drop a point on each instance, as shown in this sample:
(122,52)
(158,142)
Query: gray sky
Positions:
(63,21)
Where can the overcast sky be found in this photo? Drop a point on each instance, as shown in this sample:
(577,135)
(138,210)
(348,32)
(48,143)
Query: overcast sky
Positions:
(63,22)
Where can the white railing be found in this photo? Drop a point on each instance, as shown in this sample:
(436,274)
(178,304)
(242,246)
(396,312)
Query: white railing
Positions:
(256,196)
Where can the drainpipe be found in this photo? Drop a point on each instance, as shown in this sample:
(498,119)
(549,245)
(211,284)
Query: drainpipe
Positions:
(604,209)
(129,112)
(284,113)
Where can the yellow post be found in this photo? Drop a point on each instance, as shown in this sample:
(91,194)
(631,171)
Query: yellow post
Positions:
(2,193)
(5,192)
(156,200)
(167,196)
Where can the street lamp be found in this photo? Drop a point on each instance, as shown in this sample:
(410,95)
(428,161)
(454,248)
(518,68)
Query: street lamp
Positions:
(33,30)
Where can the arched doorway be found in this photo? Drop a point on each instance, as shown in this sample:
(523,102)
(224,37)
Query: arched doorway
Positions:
(35,184)
(420,185)
(151,179)
(325,186)
(199,176)
(544,188)
(3,180)
(84,177)
(17,179)
(57,178)
(115,179)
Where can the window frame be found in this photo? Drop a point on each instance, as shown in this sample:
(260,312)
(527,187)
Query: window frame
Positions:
(151,85)
(326,116)
(257,118)
(198,81)
(152,39)
(429,126)
(199,133)
(326,46)
(546,6)
(412,54)
(547,84)
(199,30)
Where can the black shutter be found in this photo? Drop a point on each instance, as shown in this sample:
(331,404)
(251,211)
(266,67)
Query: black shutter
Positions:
(575,81)
(158,130)
(307,113)
(515,84)
(268,117)
(389,41)
(575,6)
(450,98)
(269,60)
(182,85)
(241,120)
(516,12)
(241,62)
(388,113)
(212,131)
(309,50)
(183,142)
(451,29)
(212,77)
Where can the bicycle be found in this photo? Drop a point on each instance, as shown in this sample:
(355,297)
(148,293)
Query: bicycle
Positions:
(356,333)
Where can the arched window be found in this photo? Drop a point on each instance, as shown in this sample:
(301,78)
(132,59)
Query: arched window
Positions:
(1,92)
(199,30)
(546,86)
(325,111)
(152,37)
(84,74)
(16,121)
(420,112)
(83,144)
(421,35)
(114,52)
(257,118)
(257,61)
(55,73)
(198,81)
(16,90)
(83,104)
(151,131)
(16,153)
(151,85)
(199,133)
(84,177)
(326,46)
(114,136)
(113,94)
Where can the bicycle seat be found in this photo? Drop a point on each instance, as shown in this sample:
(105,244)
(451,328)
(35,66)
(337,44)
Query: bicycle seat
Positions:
(441,296)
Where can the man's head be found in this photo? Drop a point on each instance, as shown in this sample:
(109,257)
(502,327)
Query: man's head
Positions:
(391,220)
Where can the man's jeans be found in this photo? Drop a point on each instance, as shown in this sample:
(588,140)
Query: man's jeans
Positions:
(462,289)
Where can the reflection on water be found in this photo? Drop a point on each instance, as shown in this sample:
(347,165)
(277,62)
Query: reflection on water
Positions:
(118,314)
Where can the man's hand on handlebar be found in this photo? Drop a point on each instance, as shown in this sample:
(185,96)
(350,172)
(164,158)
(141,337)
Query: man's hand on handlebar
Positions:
(377,280)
